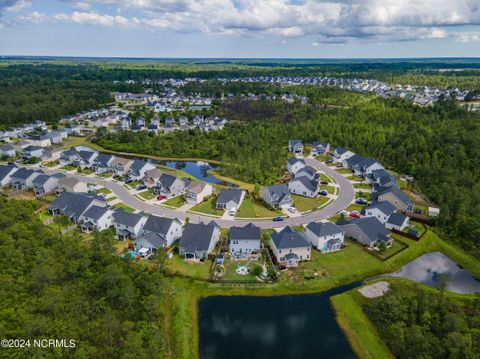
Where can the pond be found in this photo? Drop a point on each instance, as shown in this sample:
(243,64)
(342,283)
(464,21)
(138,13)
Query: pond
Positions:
(427,268)
(198,169)
(292,326)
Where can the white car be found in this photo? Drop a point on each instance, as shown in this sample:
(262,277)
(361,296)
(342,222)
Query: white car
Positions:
(292,209)
(233,211)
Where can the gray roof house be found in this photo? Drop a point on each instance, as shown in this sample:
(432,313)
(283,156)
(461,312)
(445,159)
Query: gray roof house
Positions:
(307,171)
(138,169)
(96,217)
(32,151)
(303,186)
(295,146)
(326,237)
(368,231)
(290,247)
(397,221)
(295,164)
(7,151)
(229,198)
(198,240)
(151,177)
(102,162)
(169,229)
(380,210)
(169,185)
(74,205)
(85,159)
(128,225)
(6,172)
(277,196)
(23,178)
(244,240)
(395,196)
(319,148)
(44,184)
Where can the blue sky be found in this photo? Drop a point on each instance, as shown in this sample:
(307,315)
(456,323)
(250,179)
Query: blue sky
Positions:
(241,28)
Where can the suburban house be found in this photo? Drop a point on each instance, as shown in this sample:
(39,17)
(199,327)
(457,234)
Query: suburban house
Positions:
(295,146)
(169,185)
(120,166)
(295,164)
(319,148)
(183,121)
(85,159)
(397,221)
(7,151)
(229,198)
(198,240)
(32,151)
(73,130)
(67,157)
(307,171)
(39,141)
(20,145)
(102,163)
(74,205)
(197,120)
(54,137)
(138,169)
(71,184)
(244,240)
(44,184)
(153,128)
(196,192)
(23,178)
(303,186)
(361,166)
(326,237)
(128,225)
(395,196)
(51,154)
(151,177)
(340,154)
(368,231)
(277,196)
(381,177)
(6,172)
(169,122)
(290,247)
(170,230)
(380,210)
(96,218)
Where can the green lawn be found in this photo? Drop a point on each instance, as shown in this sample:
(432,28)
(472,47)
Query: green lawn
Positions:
(44,216)
(68,168)
(253,208)
(322,158)
(303,204)
(363,185)
(134,184)
(103,190)
(354,207)
(416,226)
(366,195)
(198,270)
(148,194)
(51,163)
(395,248)
(360,332)
(124,206)
(208,207)
(231,274)
(50,197)
(86,171)
(105,175)
(111,199)
(355,178)
(329,189)
(176,202)
(344,170)
(325,178)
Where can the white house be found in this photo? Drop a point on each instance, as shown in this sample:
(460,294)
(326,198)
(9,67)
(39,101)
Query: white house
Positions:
(326,237)
(303,186)
(168,229)
(295,146)
(138,169)
(290,247)
(380,210)
(397,221)
(196,192)
(341,154)
(128,225)
(295,164)
(244,240)
(96,217)
(6,172)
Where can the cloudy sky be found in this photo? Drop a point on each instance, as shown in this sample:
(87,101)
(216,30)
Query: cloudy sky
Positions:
(241,28)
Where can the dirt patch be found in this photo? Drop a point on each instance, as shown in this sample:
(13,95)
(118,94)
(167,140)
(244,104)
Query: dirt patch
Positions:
(375,290)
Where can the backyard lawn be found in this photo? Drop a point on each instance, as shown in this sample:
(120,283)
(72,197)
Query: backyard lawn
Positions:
(208,207)
(103,190)
(231,274)
(365,195)
(304,204)
(124,206)
(178,265)
(176,202)
(354,207)
(253,208)
(395,248)
(363,185)
(344,170)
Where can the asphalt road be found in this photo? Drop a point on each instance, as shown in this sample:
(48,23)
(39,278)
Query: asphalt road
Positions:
(346,196)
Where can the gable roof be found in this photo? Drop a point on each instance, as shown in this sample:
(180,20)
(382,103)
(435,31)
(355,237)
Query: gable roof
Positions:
(288,238)
(24,173)
(397,219)
(249,232)
(96,212)
(157,224)
(137,165)
(370,226)
(281,190)
(309,170)
(154,239)
(167,180)
(5,170)
(120,216)
(291,161)
(395,190)
(295,142)
(311,185)
(197,237)
(73,204)
(384,206)
(229,194)
(321,229)
(196,187)
(103,159)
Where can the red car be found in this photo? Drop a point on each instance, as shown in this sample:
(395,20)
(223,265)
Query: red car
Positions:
(355,214)
(160,197)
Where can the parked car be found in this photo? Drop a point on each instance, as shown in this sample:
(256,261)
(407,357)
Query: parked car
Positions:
(361,201)
(128,180)
(278,219)
(324,182)
(355,214)
(161,197)
(232,211)
(141,187)
(323,192)
(292,209)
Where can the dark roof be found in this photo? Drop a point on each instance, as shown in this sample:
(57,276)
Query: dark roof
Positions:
(308,169)
(6,148)
(40,180)
(196,237)
(103,159)
(324,229)
(383,206)
(395,190)
(167,180)
(294,160)
(5,170)
(397,219)
(288,238)
(370,226)
(24,173)
(319,144)
(158,224)
(280,189)
(340,150)
(68,153)
(154,239)
(72,204)
(249,232)
(126,218)
(95,212)
(86,155)
(290,256)
(229,194)
(294,142)
(311,185)
(32,148)
(137,165)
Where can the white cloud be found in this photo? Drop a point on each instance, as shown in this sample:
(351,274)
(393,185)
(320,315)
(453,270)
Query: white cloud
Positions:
(330,21)
(16,6)
(467,37)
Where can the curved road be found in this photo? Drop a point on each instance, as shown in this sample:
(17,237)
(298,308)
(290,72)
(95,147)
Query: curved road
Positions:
(346,196)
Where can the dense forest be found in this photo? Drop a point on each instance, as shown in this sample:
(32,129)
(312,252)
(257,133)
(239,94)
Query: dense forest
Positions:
(65,287)
(422,323)
(438,146)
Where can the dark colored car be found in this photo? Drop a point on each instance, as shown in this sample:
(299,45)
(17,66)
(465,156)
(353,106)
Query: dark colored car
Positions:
(140,187)
(278,219)
(323,192)
(324,182)
(361,201)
